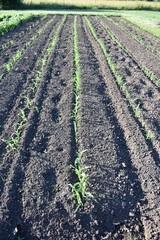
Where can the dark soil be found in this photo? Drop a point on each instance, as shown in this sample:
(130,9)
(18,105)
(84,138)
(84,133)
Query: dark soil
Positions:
(143,56)
(123,168)
(20,43)
(19,79)
(140,88)
(17,37)
(150,41)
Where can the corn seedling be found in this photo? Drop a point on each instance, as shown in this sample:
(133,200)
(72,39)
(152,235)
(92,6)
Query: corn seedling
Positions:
(14,140)
(79,188)
(127,94)
(110,33)
(157,82)
(52,44)
(148,135)
(123,87)
(22,115)
(138,111)
(146,71)
(143,123)
(1,77)
(29,102)
(76,83)
(19,53)
(149,74)
(119,79)
(15,137)
(136,38)
(8,67)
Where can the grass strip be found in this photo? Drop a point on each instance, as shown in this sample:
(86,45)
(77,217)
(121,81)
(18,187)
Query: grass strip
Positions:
(122,85)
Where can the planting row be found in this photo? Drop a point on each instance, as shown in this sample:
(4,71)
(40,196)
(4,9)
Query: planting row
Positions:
(143,56)
(10,58)
(25,71)
(146,39)
(9,23)
(141,95)
(14,36)
(78,159)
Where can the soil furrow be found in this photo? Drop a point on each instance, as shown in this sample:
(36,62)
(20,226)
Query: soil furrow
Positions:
(148,40)
(53,142)
(141,90)
(9,46)
(23,28)
(14,117)
(19,79)
(78,89)
(107,153)
(140,155)
(12,195)
(9,57)
(143,56)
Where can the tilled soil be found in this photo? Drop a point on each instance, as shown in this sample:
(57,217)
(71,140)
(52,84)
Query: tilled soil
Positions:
(15,40)
(145,38)
(19,32)
(143,55)
(141,89)
(20,78)
(7,54)
(122,166)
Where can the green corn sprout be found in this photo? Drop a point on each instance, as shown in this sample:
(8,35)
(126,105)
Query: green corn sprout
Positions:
(138,111)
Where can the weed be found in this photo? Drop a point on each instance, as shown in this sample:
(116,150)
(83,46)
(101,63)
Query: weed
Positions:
(3,178)
(36,109)
(4,46)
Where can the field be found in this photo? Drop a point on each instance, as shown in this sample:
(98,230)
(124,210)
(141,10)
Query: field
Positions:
(80,130)
(100,4)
